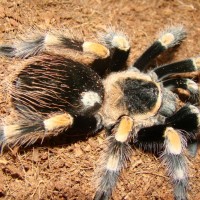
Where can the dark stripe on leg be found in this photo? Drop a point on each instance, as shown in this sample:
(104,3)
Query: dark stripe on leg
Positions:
(118,60)
(175,162)
(119,47)
(115,158)
(153,51)
(150,139)
(168,38)
(7,51)
(185,84)
(184,66)
(187,118)
(27,132)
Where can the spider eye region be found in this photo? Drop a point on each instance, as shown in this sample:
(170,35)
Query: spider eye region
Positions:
(140,96)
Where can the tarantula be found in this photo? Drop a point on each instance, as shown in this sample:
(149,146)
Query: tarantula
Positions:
(91,81)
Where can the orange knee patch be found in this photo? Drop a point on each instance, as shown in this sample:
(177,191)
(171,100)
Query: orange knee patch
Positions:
(58,121)
(124,128)
(96,49)
(174,143)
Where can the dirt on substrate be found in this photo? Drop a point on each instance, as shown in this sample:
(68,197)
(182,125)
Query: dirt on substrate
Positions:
(63,167)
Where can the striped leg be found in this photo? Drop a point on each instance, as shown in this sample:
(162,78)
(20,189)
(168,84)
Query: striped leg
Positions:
(185,84)
(119,46)
(175,161)
(171,143)
(42,42)
(167,139)
(115,158)
(184,66)
(187,119)
(7,51)
(119,49)
(29,131)
(168,38)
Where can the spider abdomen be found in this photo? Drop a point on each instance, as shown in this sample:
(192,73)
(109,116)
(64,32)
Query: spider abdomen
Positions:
(53,84)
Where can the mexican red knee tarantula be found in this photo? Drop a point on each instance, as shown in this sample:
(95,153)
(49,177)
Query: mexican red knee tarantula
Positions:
(91,81)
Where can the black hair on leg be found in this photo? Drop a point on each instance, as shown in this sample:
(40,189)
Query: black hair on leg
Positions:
(37,43)
(150,139)
(27,131)
(186,118)
(169,144)
(7,51)
(184,66)
(175,161)
(118,44)
(167,39)
(186,84)
(115,158)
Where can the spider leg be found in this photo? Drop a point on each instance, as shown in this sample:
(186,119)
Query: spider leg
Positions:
(44,42)
(24,48)
(184,66)
(104,58)
(172,142)
(175,161)
(167,39)
(184,83)
(28,131)
(169,144)
(187,119)
(115,158)
(7,51)
(119,46)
